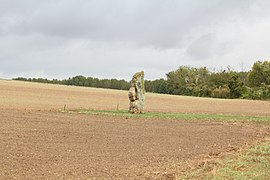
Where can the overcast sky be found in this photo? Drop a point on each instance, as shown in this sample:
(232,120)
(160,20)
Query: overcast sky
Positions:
(116,38)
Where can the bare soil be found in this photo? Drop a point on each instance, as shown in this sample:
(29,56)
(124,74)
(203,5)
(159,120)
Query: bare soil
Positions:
(37,141)
(37,96)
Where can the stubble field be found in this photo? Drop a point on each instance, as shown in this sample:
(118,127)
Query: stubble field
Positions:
(40,141)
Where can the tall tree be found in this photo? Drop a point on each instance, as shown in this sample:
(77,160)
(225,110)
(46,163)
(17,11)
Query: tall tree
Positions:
(236,86)
(184,80)
(259,74)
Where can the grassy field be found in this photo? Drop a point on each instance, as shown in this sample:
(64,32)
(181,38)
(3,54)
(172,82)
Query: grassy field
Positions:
(251,163)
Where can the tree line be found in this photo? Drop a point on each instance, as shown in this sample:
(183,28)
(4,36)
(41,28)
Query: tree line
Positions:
(83,81)
(190,81)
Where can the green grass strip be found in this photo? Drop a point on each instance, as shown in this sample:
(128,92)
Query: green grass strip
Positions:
(180,116)
(253,163)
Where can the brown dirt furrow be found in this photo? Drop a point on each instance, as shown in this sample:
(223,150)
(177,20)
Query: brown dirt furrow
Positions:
(53,145)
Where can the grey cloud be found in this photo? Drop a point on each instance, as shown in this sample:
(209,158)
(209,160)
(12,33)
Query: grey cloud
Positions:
(108,38)
(161,24)
(208,46)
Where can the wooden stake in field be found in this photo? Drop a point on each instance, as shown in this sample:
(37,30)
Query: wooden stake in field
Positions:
(136,93)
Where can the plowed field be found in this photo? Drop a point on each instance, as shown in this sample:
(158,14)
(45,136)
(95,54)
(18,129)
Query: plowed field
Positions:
(37,141)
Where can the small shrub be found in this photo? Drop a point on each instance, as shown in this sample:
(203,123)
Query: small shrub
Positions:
(221,92)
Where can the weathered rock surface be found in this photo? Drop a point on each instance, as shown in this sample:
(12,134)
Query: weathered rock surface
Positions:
(136,93)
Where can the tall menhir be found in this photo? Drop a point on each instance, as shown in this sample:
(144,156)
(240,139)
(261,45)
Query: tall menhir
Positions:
(136,93)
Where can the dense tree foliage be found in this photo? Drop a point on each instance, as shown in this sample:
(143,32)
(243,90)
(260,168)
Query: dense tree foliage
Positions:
(260,74)
(157,86)
(190,81)
(84,81)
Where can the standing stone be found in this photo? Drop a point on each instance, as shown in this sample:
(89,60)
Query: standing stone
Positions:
(136,93)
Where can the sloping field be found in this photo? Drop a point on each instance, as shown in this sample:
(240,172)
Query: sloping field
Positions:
(37,141)
(36,96)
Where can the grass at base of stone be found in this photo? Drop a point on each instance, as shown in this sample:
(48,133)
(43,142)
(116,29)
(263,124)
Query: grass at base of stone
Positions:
(180,116)
(253,163)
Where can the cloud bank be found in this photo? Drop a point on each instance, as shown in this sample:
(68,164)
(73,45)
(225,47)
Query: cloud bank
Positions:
(114,39)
